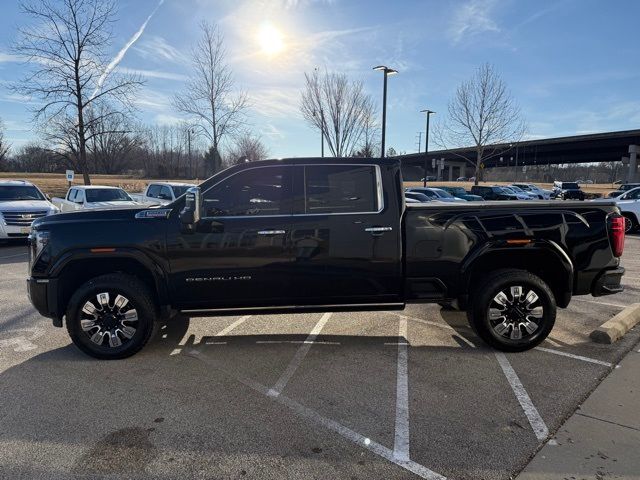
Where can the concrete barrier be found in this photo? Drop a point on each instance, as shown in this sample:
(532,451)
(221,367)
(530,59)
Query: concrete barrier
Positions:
(614,329)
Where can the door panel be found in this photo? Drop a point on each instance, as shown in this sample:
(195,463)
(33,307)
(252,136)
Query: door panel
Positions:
(345,251)
(240,253)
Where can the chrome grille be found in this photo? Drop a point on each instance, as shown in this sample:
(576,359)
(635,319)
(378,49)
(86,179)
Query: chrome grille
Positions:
(21,219)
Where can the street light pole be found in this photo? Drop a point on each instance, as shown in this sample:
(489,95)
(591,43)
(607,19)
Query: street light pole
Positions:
(426,144)
(386,71)
(189,148)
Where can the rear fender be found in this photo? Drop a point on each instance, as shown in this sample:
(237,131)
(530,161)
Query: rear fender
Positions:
(544,258)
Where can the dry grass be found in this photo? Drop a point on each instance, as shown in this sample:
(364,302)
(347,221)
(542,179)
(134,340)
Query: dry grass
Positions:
(55,184)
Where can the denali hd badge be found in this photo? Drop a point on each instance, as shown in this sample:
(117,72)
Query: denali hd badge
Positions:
(218,279)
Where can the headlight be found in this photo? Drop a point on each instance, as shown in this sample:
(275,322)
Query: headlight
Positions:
(38,240)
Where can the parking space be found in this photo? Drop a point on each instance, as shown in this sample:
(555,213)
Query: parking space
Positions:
(325,395)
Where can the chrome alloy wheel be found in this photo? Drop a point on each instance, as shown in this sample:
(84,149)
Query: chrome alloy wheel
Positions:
(514,314)
(115,323)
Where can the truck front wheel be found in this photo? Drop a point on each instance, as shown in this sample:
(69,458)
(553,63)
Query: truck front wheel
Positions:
(111,316)
(512,310)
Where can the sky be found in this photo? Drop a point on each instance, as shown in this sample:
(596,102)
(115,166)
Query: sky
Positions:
(573,66)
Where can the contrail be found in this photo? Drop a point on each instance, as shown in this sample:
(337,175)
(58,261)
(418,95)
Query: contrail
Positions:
(116,60)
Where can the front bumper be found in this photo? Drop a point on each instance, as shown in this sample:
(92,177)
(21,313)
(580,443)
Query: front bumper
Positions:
(43,294)
(608,282)
(11,231)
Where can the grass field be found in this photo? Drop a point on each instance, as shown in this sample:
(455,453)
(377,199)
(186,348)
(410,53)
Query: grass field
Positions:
(55,184)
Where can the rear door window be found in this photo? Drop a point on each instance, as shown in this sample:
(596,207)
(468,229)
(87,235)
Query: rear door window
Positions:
(341,189)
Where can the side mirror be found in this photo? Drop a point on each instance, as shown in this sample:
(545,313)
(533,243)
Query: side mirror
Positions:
(190,214)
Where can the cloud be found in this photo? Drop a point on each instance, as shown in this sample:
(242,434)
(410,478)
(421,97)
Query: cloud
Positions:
(179,77)
(120,55)
(472,18)
(158,49)
(167,119)
(7,57)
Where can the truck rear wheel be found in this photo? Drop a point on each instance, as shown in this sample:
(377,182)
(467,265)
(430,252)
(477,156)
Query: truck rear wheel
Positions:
(512,310)
(111,316)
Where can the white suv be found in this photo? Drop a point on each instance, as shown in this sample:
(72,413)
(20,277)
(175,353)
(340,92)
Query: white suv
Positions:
(21,202)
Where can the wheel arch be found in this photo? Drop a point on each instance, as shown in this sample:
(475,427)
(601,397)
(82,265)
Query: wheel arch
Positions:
(545,259)
(78,267)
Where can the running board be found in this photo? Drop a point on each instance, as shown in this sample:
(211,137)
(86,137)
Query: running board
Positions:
(355,307)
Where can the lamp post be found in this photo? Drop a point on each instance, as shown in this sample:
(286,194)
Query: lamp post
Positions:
(386,71)
(426,144)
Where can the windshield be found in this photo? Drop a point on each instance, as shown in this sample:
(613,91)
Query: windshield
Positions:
(107,195)
(517,189)
(570,186)
(179,190)
(457,191)
(19,192)
(442,193)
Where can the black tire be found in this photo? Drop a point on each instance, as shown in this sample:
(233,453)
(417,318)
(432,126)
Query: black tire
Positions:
(110,320)
(518,312)
(631,223)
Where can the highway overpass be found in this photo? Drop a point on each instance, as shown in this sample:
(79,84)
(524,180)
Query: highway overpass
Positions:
(621,146)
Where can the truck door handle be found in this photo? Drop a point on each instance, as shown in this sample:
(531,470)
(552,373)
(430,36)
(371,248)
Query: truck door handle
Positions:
(271,232)
(377,230)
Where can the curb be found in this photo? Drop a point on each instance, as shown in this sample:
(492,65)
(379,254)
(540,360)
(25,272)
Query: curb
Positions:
(614,329)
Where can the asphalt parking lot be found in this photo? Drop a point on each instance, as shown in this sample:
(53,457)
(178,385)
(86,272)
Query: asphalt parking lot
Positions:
(343,395)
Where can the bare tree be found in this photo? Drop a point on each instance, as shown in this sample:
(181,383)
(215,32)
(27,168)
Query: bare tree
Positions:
(66,45)
(483,114)
(210,99)
(369,145)
(339,108)
(111,141)
(247,148)
(4,146)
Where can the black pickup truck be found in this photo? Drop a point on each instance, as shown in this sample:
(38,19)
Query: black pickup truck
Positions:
(317,235)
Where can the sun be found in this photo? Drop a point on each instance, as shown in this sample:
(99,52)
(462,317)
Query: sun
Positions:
(270,40)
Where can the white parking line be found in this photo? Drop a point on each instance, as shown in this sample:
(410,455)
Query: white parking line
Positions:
(535,420)
(608,304)
(298,357)
(221,333)
(327,423)
(401,440)
(577,357)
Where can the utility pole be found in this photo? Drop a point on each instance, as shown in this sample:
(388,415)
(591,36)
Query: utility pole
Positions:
(426,144)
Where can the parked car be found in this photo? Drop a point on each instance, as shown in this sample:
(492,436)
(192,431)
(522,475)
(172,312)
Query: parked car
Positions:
(318,234)
(520,194)
(21,203)
(462,179)
(161,193)
(623,188)
(417,196)
(429,178)
(94,197)
(568,191)
(460,192)
(436,194)
(629,204)
(541,193)
(492,193)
